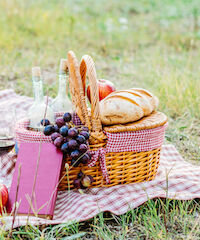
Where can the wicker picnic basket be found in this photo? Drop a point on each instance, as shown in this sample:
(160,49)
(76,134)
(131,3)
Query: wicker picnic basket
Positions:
(123,154)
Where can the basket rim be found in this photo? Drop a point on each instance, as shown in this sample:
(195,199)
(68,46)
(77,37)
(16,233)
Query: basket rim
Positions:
(22,132)
(154,120)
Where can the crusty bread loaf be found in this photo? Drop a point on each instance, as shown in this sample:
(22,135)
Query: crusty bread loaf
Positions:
(127,106)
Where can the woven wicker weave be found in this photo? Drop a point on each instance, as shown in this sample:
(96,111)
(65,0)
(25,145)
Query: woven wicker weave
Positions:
(123,167)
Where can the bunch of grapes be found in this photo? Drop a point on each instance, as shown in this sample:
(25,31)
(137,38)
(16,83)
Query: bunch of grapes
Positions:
(71,139)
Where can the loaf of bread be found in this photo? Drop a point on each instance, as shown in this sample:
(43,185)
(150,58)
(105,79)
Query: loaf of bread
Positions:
(127,106)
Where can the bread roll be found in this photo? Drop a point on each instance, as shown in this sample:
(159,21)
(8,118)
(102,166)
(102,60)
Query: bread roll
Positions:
(127,106)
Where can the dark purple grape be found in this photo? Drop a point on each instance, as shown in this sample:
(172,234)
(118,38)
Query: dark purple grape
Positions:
(48,130)
(55,135)
(85,129)
(60,122)
(80,139)
(45,122)
(83,148)
(75,162)
(65,147)
(80,175)
(73,132)
(56,128)
(58,142)
(75,154)
(85,134)
(72,144)
(67,117)
(64,131)
(77,183)
(85,159)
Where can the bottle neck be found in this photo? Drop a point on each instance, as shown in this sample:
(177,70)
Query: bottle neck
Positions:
(38,89)
(62,85)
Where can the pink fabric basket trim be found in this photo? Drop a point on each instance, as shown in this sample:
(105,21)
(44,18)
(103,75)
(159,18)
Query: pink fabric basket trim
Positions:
(25,135)
(137,141)
(76,120)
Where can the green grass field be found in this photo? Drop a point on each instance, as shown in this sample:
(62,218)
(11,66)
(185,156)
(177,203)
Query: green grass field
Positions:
(154,44)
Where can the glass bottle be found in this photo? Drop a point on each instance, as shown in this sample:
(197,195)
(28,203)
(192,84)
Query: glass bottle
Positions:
(39,110)
(62,102)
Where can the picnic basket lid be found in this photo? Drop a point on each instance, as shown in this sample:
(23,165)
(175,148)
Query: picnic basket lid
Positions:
(156,119)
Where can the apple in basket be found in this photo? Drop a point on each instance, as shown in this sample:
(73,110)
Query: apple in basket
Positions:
(105,88)
(3,196)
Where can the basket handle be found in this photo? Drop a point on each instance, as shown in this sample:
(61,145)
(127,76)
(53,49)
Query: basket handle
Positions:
(76,89)
(87,66)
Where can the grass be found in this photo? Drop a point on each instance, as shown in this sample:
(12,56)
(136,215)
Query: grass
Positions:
(156,219)
(150,44)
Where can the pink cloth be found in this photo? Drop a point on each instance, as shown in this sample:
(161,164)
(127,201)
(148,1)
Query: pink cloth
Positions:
(136,141)
(181,178)
(25,135)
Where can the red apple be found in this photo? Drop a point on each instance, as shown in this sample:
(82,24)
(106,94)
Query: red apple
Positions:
(105,88)
(3,196)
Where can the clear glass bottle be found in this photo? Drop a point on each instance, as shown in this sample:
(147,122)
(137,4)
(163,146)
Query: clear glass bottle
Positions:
(62,102)
(39,110)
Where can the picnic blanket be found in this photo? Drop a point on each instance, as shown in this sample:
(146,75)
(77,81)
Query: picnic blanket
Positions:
(176,179)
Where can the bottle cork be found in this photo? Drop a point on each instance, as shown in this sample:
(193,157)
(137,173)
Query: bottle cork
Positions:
(63,65)
(36,72)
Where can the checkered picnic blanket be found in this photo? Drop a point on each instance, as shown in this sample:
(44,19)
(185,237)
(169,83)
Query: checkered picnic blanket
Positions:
(175,179)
